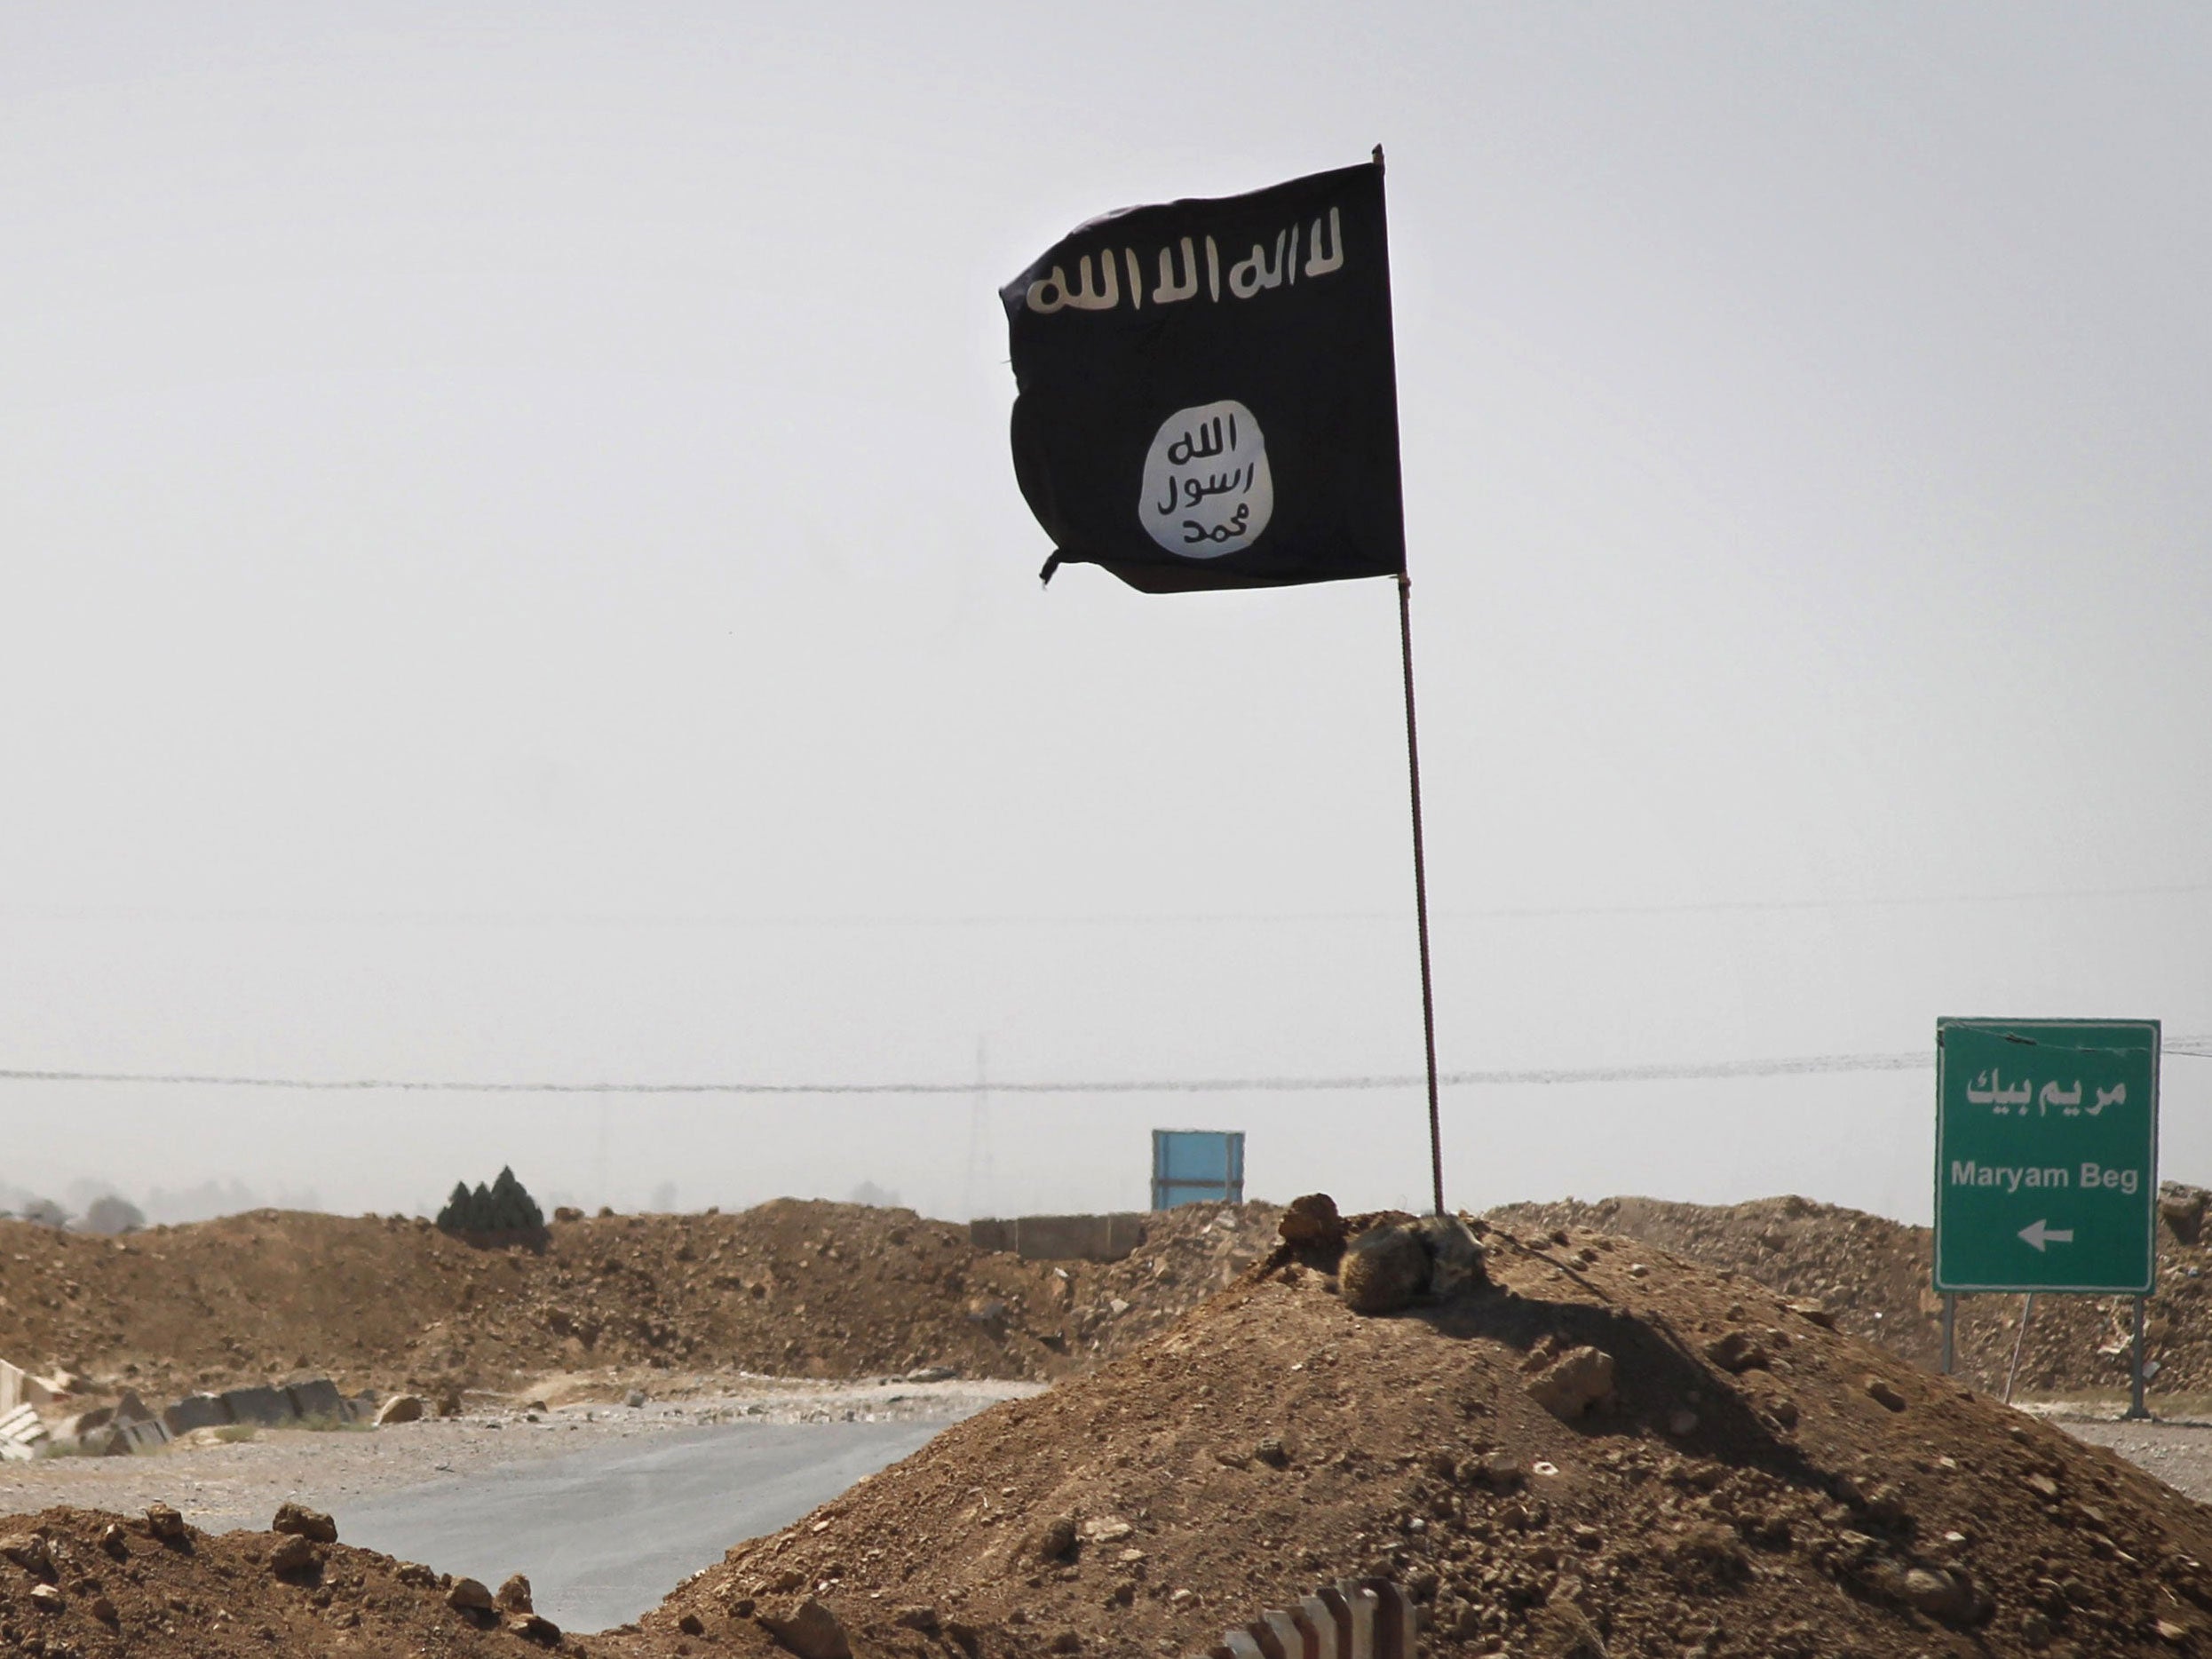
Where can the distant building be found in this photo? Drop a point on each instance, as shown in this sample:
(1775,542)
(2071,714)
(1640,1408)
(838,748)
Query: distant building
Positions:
(1197,1166)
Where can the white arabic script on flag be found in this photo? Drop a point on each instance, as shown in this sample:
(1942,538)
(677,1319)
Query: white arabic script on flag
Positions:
(1098,287)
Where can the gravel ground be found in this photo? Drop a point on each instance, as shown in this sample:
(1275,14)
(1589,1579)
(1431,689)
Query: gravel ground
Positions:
(224,1486)
(2178,1451)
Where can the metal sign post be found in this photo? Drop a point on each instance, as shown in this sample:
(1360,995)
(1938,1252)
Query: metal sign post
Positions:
(2136,1410)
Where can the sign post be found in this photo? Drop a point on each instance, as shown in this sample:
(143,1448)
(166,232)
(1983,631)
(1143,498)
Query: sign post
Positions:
(2047,1159)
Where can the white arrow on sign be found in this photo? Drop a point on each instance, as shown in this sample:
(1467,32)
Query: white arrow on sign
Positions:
(2036,1234)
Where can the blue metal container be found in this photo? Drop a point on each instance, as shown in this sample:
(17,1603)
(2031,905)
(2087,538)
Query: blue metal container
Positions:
(1197,1166)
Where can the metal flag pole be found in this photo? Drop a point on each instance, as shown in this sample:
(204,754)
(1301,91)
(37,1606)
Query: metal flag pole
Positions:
(1421,887)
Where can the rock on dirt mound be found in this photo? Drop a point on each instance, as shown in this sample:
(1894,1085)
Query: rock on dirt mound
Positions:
(1189,1254)
(1726,1476)
(788,1288)
(1875,1275)
(95,1586)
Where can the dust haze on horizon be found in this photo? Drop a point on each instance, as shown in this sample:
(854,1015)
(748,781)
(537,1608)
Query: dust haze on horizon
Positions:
(513,573)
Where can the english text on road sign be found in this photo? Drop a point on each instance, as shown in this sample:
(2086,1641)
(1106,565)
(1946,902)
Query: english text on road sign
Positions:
(2047,1156)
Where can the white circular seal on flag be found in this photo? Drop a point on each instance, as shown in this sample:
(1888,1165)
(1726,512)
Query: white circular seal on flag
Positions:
(1207,488)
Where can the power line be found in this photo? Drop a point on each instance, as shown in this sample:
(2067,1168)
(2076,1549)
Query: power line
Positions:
(1691,1071)
(996,920)
(1157,1085)
(1871,902)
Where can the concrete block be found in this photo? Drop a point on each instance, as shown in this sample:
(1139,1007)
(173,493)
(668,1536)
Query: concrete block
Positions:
(196,1411)
(272,1408)
(144,1433)
(1394,1626)
(21,1433)
(1099,1238)
(318,1397)
(1078,1238)
(1061,1238)
(11,1386)
(1283,1631)
(1333,1603)
(990,1235)
(131,1408)
(1364,1618)
(1360,1604)
(1398,1622)
(1319,1625)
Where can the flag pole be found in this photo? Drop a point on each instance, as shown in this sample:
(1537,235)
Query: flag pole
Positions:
(1421,887)
(1420,869)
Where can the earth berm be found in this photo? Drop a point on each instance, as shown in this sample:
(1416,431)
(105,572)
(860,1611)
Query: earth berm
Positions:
(1875,1275)
(1743,1480)
(1584,1452)
(790,1289)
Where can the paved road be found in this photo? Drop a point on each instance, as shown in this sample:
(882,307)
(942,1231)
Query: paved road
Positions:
(604,1534)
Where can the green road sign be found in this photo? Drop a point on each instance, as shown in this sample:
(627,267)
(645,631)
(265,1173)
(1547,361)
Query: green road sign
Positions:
(2047,1154)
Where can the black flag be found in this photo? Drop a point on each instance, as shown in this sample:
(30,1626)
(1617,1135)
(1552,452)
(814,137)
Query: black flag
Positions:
(1207,393)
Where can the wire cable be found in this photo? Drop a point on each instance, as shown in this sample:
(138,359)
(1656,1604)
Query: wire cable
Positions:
(1813,1065)
(831,922)
(1154,1085)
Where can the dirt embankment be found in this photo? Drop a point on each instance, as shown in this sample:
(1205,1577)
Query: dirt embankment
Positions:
(1741,1480)
(1875,1274)
(79,1585)
(789,1289)
(1870,1271)
(1752,1483)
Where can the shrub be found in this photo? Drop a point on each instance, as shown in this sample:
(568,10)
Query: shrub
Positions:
(505,1206)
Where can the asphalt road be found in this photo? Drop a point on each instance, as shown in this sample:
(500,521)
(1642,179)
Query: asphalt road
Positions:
(605,1533)
(2178,1452)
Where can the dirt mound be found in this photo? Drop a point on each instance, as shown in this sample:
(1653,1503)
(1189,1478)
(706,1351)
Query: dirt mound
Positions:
(1875,1274)
(1732,1478)
(789,1289)
(1595,1453)
(78,1584)
(1870,1271)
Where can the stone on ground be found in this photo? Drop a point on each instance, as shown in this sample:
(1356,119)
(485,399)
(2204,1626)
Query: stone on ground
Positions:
(1383,1269)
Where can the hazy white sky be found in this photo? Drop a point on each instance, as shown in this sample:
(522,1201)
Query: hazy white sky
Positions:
(510,570)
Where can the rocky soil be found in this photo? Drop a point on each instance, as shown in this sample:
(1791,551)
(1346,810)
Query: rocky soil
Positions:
(1743,1480)
(1589,1449)
(1873,1275)
(790,1289)
(80,1584)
